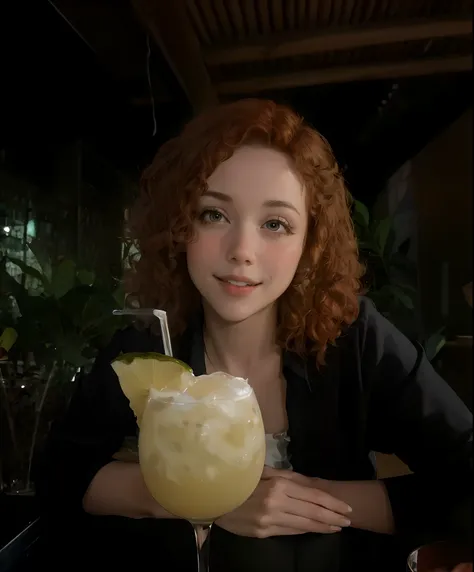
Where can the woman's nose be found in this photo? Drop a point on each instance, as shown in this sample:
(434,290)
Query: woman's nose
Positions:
(241,246)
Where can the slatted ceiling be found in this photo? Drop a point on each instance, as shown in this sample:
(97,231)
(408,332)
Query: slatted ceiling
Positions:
(224,21)
(392,9)
(235,14)
(277,13)
(423,8)
(403,11)
(223,18)
(238,35)
(264,16)
(197,23)
(343,11)
(369,7)
(289,11)
(348,11)
(365,11)
(254,21)
(441,47)
(313,12)
(324,13)
(429,7)
(301,13)
(213,23)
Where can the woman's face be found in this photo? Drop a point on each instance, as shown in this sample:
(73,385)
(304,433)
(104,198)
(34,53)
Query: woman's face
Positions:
(250,233)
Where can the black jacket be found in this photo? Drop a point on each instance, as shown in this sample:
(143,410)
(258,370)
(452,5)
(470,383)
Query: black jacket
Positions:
(377,392)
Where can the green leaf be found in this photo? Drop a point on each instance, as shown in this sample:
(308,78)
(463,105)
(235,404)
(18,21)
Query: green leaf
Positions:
(11,243)
(360,214)
(86,277)
(63,278)
(40,326)
(72,304)
(29,270)
(381,233)
(40,252)
(434,344)
(407,288)
(43,312)
(403,297)
(9,285)
(97,311)
(70,349)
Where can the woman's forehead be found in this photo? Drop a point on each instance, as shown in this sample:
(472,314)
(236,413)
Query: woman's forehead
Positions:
(255,172)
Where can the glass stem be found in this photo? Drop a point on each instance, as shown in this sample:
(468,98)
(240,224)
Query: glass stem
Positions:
(201,534)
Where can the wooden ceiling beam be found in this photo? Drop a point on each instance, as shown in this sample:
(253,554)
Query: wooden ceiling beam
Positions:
(283,46)
(340,74)
(168,24)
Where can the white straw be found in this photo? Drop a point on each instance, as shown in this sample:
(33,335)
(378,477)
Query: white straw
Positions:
(165,333)
(160,314)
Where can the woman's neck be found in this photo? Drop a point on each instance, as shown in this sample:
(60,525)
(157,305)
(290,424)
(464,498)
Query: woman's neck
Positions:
(238,348)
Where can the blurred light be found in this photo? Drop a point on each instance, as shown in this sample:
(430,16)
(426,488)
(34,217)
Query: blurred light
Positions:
(31,228)
(6,229)
(22,386)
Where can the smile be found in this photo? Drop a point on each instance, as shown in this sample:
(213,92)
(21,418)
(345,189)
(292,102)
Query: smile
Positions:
(237,287)
(238,280)
(235,283)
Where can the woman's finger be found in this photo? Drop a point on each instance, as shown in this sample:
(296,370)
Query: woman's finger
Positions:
(317,497)
(314,512)
(300,524)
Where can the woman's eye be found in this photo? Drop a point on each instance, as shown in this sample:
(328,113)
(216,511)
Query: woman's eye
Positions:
(211,216)
(276,226)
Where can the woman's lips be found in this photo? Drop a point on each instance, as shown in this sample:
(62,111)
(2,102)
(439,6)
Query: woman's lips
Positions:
(236,288)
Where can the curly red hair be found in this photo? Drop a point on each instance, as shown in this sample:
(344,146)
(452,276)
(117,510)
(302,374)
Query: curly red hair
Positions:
(322,298)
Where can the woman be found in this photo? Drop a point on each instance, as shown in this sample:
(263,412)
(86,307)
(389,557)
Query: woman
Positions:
(246,240)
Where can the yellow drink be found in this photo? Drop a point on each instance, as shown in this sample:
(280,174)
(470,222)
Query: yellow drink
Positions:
(202,451)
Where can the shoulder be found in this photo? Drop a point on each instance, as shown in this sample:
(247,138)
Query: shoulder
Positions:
(368,315)
(375,340)
(370,323)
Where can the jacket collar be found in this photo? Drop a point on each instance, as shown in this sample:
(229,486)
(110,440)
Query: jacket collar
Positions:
(191,351)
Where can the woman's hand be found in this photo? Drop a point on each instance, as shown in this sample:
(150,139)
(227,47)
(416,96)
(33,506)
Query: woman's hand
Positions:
(281,506)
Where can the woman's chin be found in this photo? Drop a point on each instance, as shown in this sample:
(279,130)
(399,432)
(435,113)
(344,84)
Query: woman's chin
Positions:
(235,316)
(235,313)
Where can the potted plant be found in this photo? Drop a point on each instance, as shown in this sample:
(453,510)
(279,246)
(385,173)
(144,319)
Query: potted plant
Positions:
(61,323)
(391,278)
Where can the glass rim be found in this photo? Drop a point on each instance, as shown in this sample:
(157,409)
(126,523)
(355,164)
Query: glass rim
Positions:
(171,399)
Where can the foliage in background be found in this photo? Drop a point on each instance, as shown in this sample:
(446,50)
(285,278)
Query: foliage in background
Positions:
(67,318)
(62,322)
(391,278)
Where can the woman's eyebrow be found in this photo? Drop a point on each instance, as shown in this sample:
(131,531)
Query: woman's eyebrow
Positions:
(279,203)
(270,203)
(218,195)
